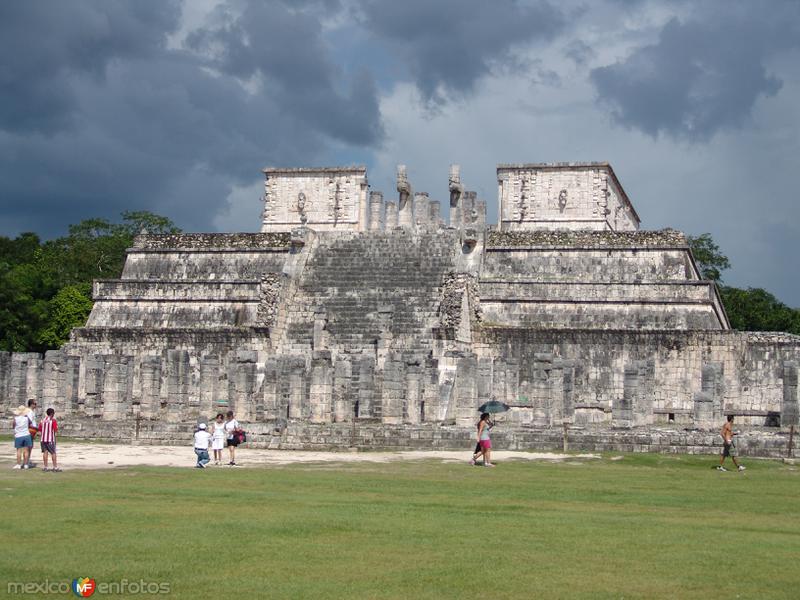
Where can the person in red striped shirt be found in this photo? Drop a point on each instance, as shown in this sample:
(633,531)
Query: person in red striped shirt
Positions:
(48,427)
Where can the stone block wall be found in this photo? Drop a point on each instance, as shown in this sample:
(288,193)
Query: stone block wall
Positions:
(326,199)
(571,196)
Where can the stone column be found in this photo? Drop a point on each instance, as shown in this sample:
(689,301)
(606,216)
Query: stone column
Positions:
(643,405)
(435,208)
(542,389)
(321,387)
(297,399)
(375,211)
(244,384)
(366,387)
(392,390)
(422,211)
(789,407)
(6,401)
(116,387)
(568,379)
(93,385)
(342,403)
(413,393)
(363,208)
(270,391)
(622,408)
(391,216)
(209,389)
(467,391)
(53,374)
(72,381)
(178,379)
(150,385)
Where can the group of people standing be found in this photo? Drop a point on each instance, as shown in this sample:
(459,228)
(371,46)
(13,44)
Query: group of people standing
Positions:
(25,430)
(225,431)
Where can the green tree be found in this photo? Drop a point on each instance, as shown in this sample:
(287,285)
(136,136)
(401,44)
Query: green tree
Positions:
(45,287)
(755,309)
(69,308)
(709,258)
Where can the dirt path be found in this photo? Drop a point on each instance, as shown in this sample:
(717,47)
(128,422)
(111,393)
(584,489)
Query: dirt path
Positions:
(76,455)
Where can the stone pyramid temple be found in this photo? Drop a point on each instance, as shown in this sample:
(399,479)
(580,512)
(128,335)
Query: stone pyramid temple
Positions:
(354,320)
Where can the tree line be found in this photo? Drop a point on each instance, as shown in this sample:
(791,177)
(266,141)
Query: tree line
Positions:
(751,309)
(46,286)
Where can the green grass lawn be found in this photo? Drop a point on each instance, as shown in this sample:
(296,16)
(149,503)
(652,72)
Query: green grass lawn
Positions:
(646,526)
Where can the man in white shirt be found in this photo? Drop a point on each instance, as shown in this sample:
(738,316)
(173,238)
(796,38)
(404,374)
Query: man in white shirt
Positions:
(201,441)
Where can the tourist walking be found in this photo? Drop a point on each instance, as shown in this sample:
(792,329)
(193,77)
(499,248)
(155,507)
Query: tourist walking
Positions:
(231,431)
(23,442)
(484,446)
(728,446)
(201,440)
(218,437)
(48,428)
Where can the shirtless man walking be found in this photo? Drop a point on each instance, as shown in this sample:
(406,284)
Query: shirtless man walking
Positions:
(728,447)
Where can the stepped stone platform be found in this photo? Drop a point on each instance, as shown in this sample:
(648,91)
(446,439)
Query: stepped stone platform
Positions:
(350,321)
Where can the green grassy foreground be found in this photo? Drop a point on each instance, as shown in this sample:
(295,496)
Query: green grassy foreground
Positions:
(645,526)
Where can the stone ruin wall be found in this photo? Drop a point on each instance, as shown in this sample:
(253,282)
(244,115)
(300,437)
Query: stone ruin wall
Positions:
(599,384)
(390,333)
(563,196)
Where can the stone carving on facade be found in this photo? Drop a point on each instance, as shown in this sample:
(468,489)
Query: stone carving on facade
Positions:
(562,200)
(269,290)
(403,187)
(454,287)
(454,185)
(301,208)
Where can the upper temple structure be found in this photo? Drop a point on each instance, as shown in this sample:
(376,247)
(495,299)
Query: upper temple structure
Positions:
(359,318)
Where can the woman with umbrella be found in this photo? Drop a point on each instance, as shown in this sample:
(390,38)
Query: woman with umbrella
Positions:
(484,442)
(484,445)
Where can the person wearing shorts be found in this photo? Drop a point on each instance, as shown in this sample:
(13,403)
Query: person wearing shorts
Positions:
(484,441)
(48,428)
(728,446)
(23,442)
(231,425)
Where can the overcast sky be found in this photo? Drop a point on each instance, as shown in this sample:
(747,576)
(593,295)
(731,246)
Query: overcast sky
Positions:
(175,107)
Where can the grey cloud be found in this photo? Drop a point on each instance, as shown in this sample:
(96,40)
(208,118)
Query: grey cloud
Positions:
(45,46)
(128,123)
(284,45)
(448,46)
(702,76)
(579,52)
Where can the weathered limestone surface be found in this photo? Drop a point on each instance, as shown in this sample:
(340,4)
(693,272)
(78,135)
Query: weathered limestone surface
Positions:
(372,324)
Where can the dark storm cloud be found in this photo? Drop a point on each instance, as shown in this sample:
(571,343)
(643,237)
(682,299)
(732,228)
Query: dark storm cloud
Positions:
(448,45)
(98,115)
(703,75)
(284,44)
(45,46)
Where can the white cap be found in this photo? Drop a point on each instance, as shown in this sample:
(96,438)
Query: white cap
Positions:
(202,426)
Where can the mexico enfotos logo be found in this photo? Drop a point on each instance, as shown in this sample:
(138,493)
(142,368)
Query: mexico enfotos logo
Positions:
(84,587)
